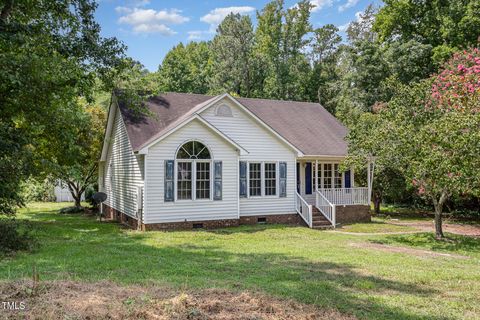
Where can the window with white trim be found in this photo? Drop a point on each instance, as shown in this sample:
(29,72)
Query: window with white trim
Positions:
(184,180)
(337,176)
(203,180)
(327,175)
(255,179)
(270,179)
(193,171)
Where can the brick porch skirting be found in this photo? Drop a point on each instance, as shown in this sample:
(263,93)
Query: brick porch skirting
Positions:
(352,214)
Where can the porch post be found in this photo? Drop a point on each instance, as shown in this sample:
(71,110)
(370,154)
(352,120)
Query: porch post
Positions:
(316,175)
(352,177)
(369,184)
(370,172)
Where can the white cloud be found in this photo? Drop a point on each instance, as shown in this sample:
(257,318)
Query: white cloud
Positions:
(343,27)
(195,35)
(347,5)
(144,16)
(214,17)
(320,4)
(123,9)
(153,28)
(149,20)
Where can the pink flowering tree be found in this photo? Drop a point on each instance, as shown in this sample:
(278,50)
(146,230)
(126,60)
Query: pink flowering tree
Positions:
(430,131)
(457,86)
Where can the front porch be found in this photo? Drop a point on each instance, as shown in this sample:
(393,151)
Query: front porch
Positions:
(323,191)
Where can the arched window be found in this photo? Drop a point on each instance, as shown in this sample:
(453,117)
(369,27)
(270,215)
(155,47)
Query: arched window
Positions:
(193,150)
(193,171)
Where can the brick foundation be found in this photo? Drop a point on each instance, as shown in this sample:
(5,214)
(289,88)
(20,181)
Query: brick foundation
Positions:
(352,214)
(344,215)
(188,225)
(115,215)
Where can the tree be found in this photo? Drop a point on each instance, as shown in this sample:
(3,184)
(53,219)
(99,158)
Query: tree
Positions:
(362,29)
(280,41)
(187,68)
(430,132)
(232,52)
(75,158)
(51,53)
(325,44)
(445,25)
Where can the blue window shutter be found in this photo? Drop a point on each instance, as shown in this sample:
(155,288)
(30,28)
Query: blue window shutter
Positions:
(298,177)
(243,179)
(169,187)
(283,179)
(217,190)
(308,178)
(348,179)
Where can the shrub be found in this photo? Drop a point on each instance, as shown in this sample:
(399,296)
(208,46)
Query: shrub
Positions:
(89,196)
(34,190)
(15,235)
(70,210)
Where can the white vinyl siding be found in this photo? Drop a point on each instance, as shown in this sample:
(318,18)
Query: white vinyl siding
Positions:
(263,147)
(122,170)
(159,211)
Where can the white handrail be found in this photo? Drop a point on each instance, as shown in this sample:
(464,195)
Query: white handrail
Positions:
(346,196)
(304,209)
(326,207)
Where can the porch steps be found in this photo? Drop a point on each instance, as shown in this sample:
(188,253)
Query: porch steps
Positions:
(319,221)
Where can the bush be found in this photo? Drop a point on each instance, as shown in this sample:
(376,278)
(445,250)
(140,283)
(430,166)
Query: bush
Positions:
(71,210)
(34,190)
(15,235)
(89,196)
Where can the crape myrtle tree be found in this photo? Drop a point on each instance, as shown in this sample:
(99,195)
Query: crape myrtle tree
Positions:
(430,131)
(51,53)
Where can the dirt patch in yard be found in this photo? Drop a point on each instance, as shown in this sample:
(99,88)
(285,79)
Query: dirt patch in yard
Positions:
(107,300)
(411,251)
(428,226)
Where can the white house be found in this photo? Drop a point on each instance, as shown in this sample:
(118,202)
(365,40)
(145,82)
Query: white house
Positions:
(200,161)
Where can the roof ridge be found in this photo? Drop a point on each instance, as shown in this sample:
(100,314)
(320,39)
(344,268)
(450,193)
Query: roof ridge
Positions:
(265,99)
(235,97)
(187,93)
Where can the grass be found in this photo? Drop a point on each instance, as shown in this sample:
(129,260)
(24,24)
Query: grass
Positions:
(309,266)
(377,225)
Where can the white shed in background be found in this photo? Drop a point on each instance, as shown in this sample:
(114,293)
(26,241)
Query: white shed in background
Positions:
(62,194)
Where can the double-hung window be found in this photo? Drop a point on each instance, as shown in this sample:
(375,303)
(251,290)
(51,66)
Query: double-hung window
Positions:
(203,180)
(270,179)
(327,175)
(337,176)
(193,171)
(184,180)
(255,179)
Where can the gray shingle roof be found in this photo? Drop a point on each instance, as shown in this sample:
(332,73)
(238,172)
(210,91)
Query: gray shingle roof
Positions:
(306,125)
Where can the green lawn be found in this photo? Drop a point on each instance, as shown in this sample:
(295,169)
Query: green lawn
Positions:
(376,226)
(314,267)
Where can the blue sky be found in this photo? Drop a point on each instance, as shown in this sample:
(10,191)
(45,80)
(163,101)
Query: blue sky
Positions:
(150,28)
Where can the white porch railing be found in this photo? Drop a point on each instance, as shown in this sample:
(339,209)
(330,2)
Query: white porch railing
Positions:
(326,207)
(346,196)
(304,209)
